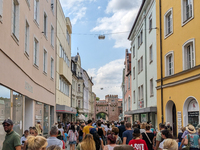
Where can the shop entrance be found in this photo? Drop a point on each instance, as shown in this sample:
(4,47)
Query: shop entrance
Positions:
(191,112)
(28,122)
(170,113)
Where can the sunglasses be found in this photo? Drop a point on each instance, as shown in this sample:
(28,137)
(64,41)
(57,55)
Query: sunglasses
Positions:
(6,125)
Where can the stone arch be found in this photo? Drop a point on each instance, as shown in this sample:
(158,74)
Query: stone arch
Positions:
(106,117)
(191,106)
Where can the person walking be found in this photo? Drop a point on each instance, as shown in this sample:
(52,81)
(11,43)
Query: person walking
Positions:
(12,139)
(192,138)
(115,130)
(80,134)
(73,134)
(137,142)
(98,141)
(170,144)
(142,127)
(165,135)
(121,129)
(158,136)
(23,138)
(53,140)
(128,134)
(148,137)
(86,129)
(61,136)
(87,143)
(39,128)
(36,143)
(33,132)
(180,136)
(111,142)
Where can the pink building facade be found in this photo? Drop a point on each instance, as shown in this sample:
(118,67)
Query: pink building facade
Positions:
(127,87)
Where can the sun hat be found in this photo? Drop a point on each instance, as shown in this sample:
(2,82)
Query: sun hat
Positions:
(191,129)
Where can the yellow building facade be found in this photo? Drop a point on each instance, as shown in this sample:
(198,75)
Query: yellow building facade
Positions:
(178,62)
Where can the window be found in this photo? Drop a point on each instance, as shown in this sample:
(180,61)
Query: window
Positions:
(27,38)
(138,66)
(36,52)
(64,86)
(188,54)
(133,73)
(169,63)
(52,5)
(45,24)
(129,82)
(141,92)
(187,11)
(79,87)
(133,51)
(129,104)
(68,37)
(36,10)
(151,87)
(52,36)
(168,23)
(140,39)
(79,104)
(150,54)
(1,9)
(45,61)
(52,68)
(134,97)
(64,56)
(15,19)
(150,23)
(141,63)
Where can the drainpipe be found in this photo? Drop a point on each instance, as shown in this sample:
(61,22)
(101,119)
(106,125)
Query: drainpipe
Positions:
(161,61)
(71,101)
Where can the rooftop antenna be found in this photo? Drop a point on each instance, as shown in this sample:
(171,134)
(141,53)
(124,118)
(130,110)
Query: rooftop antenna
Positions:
(77,50)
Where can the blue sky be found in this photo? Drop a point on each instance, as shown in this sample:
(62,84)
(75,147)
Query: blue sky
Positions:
(102,59)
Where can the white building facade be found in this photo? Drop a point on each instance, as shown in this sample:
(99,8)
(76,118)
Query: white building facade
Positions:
(144,63)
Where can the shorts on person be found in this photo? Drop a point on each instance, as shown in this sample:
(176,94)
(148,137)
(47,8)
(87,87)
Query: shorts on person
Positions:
(72,142)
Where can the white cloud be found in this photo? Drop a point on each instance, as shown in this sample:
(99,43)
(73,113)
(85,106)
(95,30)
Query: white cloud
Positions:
(99,7)
(108,77)
(123,15)
(75,9)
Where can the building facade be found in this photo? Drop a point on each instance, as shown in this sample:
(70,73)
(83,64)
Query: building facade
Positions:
(144,63)
(64,111)
(178,64)
(128,91)
(27,63)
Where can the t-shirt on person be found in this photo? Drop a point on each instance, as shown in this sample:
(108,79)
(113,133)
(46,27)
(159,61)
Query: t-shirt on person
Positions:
(12,140)
(151,136)
(128,134)
(194,139)
(138,144)
(86,129)
(121,130)
(54,141)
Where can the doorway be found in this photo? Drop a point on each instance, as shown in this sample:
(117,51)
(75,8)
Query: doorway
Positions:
(28,113)
(174,121)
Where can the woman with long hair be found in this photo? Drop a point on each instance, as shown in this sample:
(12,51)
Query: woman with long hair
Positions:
(98,141)
(111,141)
(148,137)
(170,144)
(61,136)
(33,132)
(165,135)
(36,143)
(115,130)
(73,134)
(87,143)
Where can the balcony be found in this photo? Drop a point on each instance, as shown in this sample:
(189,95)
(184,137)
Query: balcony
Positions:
(64,70)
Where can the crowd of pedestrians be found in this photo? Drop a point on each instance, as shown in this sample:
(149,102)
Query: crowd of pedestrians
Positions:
(102,136)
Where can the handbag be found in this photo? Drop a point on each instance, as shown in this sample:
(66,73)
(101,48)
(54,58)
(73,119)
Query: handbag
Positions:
(187,147)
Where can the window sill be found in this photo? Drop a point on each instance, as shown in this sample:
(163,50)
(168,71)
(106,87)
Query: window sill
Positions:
(44,73)
(167,35)
(36,66)
(37,24)
(186,21)
(28,4)
(27,55)
(52,46)
(151,95)
(15,39)
(52,79)
(45,36)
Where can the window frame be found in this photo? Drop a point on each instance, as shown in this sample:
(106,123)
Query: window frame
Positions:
(1,10)
(166,34)
(139,66)
(15,19)
(151,88)
(36,54)
(189,42)
(150,23)
(133,73)
(151,54)
(45,57)
(52,36)
(45,29)
(133,51)
(36,11)
(167,63)
(52,68)
(184,21)
(27,35)
(134,96)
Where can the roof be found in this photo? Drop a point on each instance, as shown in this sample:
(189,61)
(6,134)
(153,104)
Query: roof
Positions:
(88,77)
(136,19)
(120,100)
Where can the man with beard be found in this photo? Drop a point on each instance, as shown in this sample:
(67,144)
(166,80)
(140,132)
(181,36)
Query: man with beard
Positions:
(12,139)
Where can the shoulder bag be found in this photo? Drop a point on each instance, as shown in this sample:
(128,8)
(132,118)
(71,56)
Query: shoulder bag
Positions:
(187,147)
(148,138)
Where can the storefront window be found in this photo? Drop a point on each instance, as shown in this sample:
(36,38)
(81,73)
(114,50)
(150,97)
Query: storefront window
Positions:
(46,119)
(38,112)
(51,116)
(18,113)
(4,110)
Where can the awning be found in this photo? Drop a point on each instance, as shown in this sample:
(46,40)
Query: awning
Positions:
(142,110)
(65,109)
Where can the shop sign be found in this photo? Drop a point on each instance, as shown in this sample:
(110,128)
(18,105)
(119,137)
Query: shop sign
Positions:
(141,104)
(143,117)
(28,87)
(179,121)
(193,114)
(38,117)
